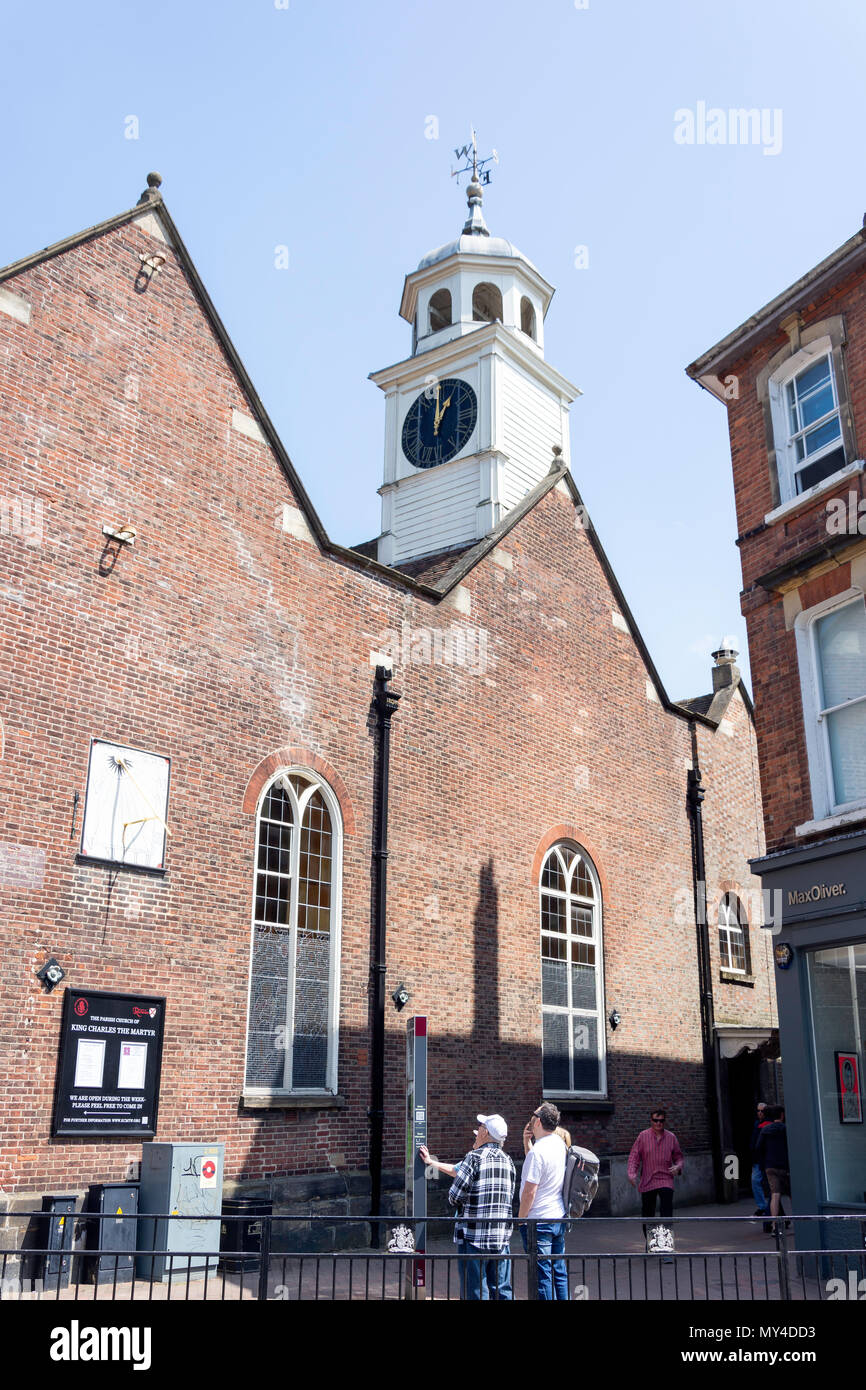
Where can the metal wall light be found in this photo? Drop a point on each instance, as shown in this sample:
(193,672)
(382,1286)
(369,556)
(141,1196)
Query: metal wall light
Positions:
(51,974)
(401,997)
(615,1019)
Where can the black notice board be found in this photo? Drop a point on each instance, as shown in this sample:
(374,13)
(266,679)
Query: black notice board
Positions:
(109,1063)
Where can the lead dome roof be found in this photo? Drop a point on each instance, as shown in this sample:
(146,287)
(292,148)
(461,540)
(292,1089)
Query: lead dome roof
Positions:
(473,244)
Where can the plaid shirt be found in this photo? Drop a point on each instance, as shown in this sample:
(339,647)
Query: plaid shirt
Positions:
(483,1189)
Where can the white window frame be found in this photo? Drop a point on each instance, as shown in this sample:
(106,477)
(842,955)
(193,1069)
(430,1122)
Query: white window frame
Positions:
(731,907)
(595,940)
(817,735)
(784,441)
(315,783)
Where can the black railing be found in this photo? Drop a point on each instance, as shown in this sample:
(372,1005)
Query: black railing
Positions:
(604,1259)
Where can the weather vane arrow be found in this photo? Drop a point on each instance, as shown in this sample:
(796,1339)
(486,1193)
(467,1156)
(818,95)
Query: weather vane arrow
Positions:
(479,176)
(473,165)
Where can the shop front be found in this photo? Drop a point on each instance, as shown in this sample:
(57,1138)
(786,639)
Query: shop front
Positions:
(819,900)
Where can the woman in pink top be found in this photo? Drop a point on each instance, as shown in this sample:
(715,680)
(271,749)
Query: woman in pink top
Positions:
(658,1158)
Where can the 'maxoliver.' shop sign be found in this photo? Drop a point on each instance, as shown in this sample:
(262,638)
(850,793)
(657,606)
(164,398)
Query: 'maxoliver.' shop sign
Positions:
(816,894)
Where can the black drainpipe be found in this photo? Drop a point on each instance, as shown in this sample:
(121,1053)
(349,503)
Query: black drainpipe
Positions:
(711,1062)
(385,702)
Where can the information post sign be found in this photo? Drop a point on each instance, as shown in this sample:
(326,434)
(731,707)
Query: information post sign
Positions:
(416,1135)
(109,1064)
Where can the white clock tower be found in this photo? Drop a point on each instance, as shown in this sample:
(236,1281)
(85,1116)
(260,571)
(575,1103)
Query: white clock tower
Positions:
(473,415)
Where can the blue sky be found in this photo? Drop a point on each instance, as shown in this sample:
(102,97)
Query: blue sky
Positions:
(306,126)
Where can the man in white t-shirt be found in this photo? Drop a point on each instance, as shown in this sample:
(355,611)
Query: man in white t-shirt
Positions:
(541,1198)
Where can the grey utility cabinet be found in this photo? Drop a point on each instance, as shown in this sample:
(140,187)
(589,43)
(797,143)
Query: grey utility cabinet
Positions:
(181,1186)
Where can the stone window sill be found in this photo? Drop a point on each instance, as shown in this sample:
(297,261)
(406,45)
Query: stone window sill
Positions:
(323,1102)
(730,977)
(804,499)
(574,1105)
(815,827)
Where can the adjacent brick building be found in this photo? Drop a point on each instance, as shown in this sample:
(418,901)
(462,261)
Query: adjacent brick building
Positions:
(189,672)
(793,377)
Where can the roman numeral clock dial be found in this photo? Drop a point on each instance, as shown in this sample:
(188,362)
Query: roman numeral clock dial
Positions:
(439,422)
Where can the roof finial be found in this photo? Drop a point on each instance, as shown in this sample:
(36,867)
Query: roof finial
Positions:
(152,190)
(479,176)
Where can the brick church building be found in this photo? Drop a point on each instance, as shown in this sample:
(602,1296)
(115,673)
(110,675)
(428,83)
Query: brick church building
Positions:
(194,697)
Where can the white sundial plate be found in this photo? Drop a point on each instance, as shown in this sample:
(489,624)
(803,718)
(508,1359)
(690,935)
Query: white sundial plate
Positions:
(125,806)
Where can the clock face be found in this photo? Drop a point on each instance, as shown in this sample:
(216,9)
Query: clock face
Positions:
(439,422)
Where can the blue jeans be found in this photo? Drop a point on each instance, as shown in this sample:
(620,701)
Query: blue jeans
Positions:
(488,1276)
(552,1274)
(758,1192)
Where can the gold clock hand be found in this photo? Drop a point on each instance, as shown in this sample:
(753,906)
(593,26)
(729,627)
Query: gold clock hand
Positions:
(438,421)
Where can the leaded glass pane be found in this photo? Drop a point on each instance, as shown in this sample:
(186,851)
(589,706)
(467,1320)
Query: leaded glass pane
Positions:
(265,1061)
(587,1069)
(555,1058)
(310,1054)
(583,986)
(554,983)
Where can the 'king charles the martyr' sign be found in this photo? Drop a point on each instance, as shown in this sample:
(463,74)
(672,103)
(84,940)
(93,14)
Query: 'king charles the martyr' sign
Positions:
(109,1064)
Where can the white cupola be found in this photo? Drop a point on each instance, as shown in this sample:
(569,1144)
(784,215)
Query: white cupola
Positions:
(473,415)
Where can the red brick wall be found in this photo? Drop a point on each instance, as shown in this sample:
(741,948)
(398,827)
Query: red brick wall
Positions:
(779,715)
(219,640)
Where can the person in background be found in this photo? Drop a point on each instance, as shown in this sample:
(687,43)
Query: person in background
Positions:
(483,1192)
(563,1134)
(758,1192)
(772,1154)
(655,1160)
(541,1198)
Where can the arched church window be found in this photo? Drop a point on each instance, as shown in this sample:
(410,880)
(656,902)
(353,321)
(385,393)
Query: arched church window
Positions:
(440,310)
(733,936)
(294,964)
(486,304)
(527,317)
(572,987)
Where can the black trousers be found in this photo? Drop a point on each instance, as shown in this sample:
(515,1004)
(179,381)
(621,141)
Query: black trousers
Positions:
(665,1196)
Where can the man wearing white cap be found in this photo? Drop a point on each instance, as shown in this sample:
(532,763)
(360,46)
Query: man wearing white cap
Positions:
(483,1191)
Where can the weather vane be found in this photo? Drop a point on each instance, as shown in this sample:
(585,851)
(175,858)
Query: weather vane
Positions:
(474,166)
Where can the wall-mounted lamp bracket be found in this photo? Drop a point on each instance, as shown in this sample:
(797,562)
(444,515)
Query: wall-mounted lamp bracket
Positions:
(151,265)
(124,535)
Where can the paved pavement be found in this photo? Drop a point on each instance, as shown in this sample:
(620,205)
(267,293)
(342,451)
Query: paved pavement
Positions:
(721,1252)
